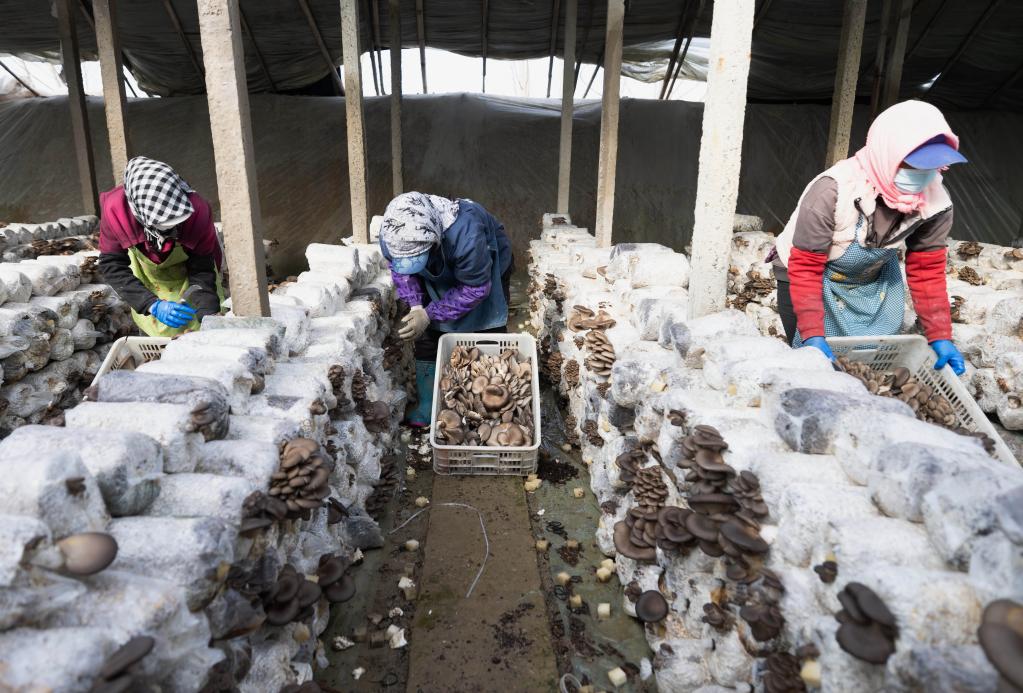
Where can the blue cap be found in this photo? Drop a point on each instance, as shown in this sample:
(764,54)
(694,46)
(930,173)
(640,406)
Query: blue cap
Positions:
(934,153)
(410,265)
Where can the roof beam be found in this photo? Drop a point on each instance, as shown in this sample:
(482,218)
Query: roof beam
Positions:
(321,45)
(675,51)
(255,46)
(927,29)
(893,72)
(421,34)
(72,63)
(555,17)
(176,21)
(378,44)
(355,133)
(18,79)
(690,32)
(1004,85)
(583,43)
(372,49)
(486,16)
(992,6)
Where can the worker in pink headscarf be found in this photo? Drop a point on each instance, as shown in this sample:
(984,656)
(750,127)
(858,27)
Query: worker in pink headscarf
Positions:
(837,261)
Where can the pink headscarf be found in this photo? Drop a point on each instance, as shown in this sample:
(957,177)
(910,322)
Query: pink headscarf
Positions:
(895,133)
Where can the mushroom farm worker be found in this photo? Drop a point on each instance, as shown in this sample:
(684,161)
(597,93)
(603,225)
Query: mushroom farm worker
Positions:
(451,263)
(837,261)
(156,239)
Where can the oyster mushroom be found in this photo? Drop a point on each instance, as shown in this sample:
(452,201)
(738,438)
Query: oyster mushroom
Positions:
(651,607)
(747,539)
(868,628)
(114,675)
(624,545)
(765,620)
(340,591)
(448,420)
(1001,638)
(87,553)
(716,617)
(495,397)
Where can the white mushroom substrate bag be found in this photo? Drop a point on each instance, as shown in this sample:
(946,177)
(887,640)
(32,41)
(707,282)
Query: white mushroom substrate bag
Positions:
(17,287)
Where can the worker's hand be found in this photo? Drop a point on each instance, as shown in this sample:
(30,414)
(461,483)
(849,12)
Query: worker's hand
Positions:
(172,314)
(948,355)
(820,343)
(414,324)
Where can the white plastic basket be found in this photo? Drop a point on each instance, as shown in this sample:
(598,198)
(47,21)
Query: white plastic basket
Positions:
(486,460)
(131,352)
(913,352)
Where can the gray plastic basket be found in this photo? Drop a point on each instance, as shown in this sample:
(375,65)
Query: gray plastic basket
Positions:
(913,352)
(131,352)
(486,460)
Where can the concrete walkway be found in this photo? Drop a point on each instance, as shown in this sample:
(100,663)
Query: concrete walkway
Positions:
(497,639)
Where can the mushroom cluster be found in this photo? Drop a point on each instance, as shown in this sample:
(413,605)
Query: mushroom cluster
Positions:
(641,531)
(572,373)
(551,367)
(592,433)
(115,676)
(968,249)
(970,276)
(756,286)
(764,619)
(87,553)
(336,377)
(717,617)
(1001,638)
(782,674)
(359,387)
(333,578)
(376,415)
(301,480)
(868,628)
(827,571)
(901,384)
(601,353)
(571,435)
(582,318)
(487,399)
(259,511)
(290,598)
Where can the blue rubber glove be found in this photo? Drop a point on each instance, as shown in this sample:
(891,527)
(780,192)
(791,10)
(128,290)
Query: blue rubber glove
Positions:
(948,354)
(820,343)
(172,314)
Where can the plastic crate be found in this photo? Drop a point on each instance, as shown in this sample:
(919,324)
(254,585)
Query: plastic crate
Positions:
(913,352)
(486,460)
(131,352)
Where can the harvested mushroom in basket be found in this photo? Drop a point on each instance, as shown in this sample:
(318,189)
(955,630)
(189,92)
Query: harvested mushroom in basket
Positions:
(486,399)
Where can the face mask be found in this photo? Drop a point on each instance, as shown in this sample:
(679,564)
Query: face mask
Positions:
(913,180)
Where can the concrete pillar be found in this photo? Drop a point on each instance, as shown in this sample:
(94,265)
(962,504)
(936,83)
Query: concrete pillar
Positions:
(844,99)
(567,99)
(396,150)
(66,27)
(893,73)
(228,97)
(111,69)
(353,112)
(607,159)
(717,186)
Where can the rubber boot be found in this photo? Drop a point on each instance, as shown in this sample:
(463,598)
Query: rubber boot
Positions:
(420,416)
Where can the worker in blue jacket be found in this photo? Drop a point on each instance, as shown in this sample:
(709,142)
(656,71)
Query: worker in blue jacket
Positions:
(451,263)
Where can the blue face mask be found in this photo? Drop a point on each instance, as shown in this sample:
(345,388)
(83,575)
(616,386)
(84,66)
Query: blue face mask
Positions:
(914,180)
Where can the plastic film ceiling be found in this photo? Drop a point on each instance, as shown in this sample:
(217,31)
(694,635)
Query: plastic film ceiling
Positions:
(974,45)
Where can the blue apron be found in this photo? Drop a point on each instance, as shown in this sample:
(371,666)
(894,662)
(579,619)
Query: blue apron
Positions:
(863,292)
(493,311)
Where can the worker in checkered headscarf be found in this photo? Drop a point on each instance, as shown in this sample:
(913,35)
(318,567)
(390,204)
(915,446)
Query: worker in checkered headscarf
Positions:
(156,242)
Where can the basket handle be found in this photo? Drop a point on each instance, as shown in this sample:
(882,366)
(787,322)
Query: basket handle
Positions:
(486,342)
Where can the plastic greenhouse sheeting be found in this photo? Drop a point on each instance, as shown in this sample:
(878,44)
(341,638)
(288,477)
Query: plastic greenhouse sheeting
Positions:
(795,42)
(500,152)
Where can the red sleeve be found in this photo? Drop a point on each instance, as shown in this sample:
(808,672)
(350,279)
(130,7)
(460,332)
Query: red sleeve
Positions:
(925,273)
(198,235)
(806,286)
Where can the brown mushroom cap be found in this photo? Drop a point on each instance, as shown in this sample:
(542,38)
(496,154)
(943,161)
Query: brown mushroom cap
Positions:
(624,545)
(308,593)
(744,537)
(495,397)
(1001,638)
(713,503)
(283,613)
(330,570)
(87,553)
(251,525)
(651,607)
(702,527)
(340,591)
(286,587)
(866,642)
(870,604)
(448,419)
(126,655)
(479,384)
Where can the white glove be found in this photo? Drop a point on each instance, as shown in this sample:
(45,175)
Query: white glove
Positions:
(414,324)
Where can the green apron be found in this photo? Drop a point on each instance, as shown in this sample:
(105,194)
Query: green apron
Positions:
(168,280)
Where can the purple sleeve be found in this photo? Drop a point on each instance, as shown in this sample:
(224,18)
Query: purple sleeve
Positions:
(457,302)
(409,288)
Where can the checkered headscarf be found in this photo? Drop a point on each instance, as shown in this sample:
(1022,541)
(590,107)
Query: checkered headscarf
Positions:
(414,221)
(156,195)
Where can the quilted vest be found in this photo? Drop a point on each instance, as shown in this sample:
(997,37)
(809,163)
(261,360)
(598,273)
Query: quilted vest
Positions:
(853,185)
